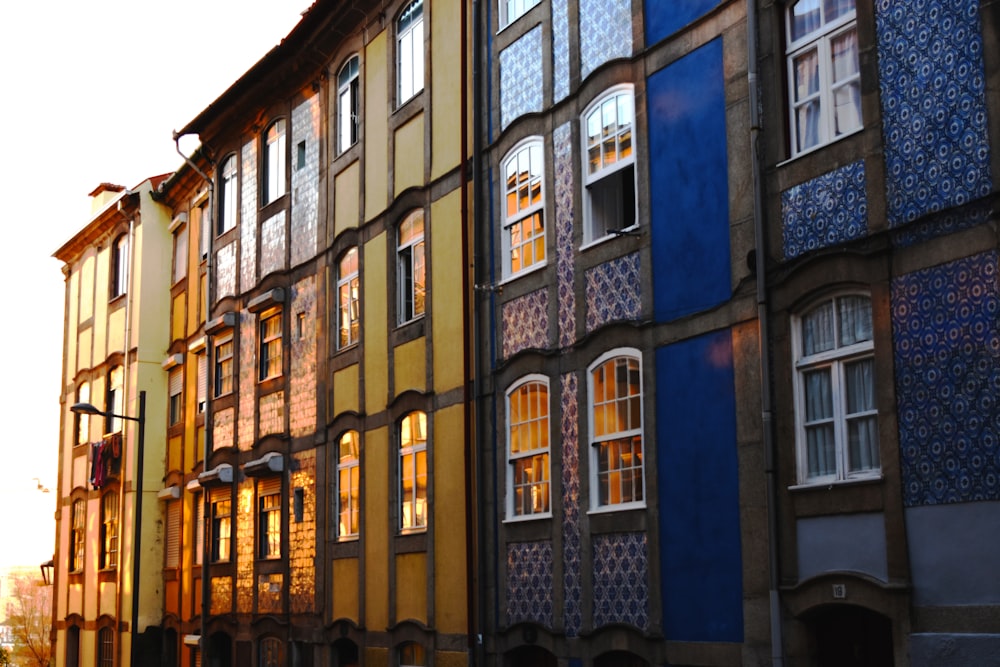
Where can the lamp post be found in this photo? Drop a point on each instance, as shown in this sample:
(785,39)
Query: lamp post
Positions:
(88,409)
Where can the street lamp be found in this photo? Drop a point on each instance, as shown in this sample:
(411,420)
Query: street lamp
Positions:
(89,409)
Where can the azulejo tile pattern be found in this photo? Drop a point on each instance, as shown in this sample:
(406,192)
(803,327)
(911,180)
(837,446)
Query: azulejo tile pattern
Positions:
(560,49)
(947,351)
(613,291)
(521,77)
(621,590)
(529,583)
(272,244)
(572,586)
(932,82)
(525,322)
(605,32)
(941,224)
(562,164)
(825,211)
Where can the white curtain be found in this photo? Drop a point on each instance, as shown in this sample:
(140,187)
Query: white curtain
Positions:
(862,431)
(807,114)
(847,85)
(822,456)
(817,330)
(855,319)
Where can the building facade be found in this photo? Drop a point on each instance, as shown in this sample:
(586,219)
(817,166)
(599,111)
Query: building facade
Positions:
(107,557)
(879,158)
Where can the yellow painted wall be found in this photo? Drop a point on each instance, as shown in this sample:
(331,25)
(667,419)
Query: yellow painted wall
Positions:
(72,317)
(346,198)
(177,319)
(376,529)
(376,126)
(409,155)
(87,288)
(410,366)
(376,657)
(449,517)
(446,75)
(446,281)
(411,587)
(345,390)
(375,314)
(115,333)
(345,589)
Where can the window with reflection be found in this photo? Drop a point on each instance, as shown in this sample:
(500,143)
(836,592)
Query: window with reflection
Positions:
(523,243)
(348,299)
(617,470)
(528,488)
(348,484)
(411,267)
(227,196)
(609,168)
(274,161)
(347,104)
(413,471)
(410,52)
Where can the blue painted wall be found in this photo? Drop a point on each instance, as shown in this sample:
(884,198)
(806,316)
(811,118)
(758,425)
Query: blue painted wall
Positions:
(665,17)
(702,589)
(689,191)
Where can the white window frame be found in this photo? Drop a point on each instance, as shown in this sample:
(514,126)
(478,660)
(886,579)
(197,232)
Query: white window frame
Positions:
(523,203)
(411,264)
(348,299)
(819,40)
(413,456)
(348,93)
(348,496)
(227,195)
(610,175)
(109,530)
(409,52)
(835,361)
(77,535)
(82,418)
(274,161)
(270,329)
(536,429)
(511,10)
(223,377)
(633,431)
(269,511)
(180,254)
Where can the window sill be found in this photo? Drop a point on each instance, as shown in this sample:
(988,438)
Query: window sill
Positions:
(831,484)
(527,517)
(631,230)
(819,147)
(534,268)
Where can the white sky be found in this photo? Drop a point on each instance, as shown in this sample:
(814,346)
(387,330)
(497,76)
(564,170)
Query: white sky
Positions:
(89,92)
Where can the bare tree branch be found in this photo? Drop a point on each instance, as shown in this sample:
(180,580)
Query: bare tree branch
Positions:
(29,614)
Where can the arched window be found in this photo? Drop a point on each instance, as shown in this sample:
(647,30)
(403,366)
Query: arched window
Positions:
(347,104)
(511,10)
(609,165)
(119,266)
(411,654)
(348,299)
(528,487)
(616,453)
(836,412)
(109,530)
(348,484)
(115,400)
(274,161)
(523,240)
(410,52)
(271,652)
(78,535)
(82,418)
(824,79)
(413,472)
(411,267)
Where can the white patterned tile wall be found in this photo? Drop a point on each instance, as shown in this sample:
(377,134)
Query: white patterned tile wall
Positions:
(305,180)
(521,77)
(605,32)
(562,166)
(613,291)
(272,244)
(525,323)
(248,217)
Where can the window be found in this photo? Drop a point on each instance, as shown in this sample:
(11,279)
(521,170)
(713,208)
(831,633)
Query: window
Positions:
(615,388)
(274,161)
(348,298)
(528,448)
(115,400)
(202,389)
(78,533)
(412,654)
(524,217)
(413,471)
(119,266)
(270,344)
(824,79)
(271,652)
(609,197)
(82,419)
(109,530)
(837,419)
(224,365)
(348,484)
(269,517)
(411,267)
(347,104)
(410,51)
(180,253)
(172,534)
(222,518)
(199,528)
(511,10)
(175,382)
(105,647)
(227,196)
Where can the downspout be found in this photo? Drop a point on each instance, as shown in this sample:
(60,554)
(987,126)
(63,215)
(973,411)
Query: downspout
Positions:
(126,373)
(203,645)
(774,600)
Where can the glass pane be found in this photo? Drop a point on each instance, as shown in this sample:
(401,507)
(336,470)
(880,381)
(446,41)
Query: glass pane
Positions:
(821,454)
(834,9)
(860,381)
(819,399)
(863,444)
(855,314)
(805,18)
(817,330)
(806,72)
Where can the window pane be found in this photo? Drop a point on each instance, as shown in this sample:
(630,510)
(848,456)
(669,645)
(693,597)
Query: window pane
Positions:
(819,398)
(855,319)
(822,458)
(817,330)
(805,18)
(863,444)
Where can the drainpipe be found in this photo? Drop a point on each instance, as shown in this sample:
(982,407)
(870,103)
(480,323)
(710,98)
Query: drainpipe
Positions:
(203,645)
(774,600)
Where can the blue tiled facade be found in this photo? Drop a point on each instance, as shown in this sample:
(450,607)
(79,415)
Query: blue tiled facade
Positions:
(529,583)
(621,575)
(521,81)
(825,211)
(605,32)
(613,291)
